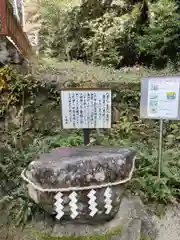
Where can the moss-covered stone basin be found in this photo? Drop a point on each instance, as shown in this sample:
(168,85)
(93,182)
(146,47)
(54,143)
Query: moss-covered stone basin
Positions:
(80,184)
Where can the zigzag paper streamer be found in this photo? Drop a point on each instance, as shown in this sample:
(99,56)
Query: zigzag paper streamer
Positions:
(73,205)
(92,202)
(59,206)
(107,200)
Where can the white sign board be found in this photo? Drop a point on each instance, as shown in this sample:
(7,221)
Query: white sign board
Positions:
(160,98)
(86,108)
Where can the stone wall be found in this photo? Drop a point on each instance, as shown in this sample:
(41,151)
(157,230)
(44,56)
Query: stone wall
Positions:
(3,51)
(8,52)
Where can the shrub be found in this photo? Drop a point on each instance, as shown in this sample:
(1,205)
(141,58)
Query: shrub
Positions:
(161,39)
(93,31)
(15,88)
(106,33)
(111,40)
(17,150)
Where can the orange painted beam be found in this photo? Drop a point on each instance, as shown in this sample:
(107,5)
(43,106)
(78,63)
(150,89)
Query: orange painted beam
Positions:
(13,29)
(16,33)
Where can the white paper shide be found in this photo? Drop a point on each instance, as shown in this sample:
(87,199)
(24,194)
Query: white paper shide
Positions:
(163,98)
(86,108)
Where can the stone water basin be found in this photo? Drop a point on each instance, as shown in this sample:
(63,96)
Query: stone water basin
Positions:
(81,184)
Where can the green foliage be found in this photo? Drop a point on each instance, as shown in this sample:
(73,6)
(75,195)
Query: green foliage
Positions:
(15,88)
(145,181)
(112,34)
(93,31)
(144,237)
(161,39)
(111,38)
(59,31)
(18,150)
(116,231)
(19,207)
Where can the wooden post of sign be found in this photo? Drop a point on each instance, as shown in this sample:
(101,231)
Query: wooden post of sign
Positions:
(86,133)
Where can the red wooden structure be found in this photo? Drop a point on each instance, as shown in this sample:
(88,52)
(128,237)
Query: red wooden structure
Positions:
(11,27)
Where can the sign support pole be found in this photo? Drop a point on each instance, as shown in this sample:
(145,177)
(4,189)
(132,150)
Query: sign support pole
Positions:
(86,133)
(160,148)
(160,100)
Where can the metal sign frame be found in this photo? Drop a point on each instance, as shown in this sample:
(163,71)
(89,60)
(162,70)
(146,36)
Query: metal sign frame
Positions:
(145,93)
(144,109)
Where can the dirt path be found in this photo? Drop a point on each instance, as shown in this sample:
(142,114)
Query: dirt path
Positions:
(32,21)
(169,225)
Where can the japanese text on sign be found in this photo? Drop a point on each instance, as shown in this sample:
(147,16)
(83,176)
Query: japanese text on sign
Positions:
(86,108)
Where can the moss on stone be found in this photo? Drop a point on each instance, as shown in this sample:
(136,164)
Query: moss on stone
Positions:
(75,238)
(144,237)
(116,231)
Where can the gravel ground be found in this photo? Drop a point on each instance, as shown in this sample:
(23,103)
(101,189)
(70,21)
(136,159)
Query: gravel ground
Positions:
(169,225)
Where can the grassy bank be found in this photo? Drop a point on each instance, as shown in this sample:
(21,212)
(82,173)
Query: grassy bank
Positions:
(35,132)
